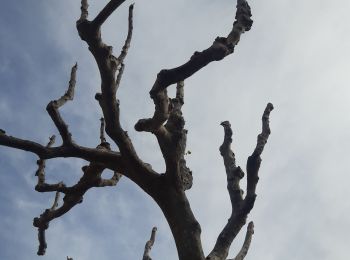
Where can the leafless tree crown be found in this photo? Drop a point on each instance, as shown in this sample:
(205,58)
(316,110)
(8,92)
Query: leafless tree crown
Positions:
(166,124)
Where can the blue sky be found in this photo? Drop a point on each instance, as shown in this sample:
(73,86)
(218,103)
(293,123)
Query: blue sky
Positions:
(296,56)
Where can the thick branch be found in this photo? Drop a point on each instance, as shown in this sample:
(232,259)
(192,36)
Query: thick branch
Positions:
(53,106)
(149,245)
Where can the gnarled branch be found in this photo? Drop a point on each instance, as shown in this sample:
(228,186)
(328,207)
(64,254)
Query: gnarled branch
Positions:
(73,196)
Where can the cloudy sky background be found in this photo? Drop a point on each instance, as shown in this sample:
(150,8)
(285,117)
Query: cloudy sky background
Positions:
(296,56)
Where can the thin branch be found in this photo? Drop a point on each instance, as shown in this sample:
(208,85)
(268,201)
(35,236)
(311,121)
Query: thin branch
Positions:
(120,75)
(55,203)
(53,106)
(149,245)
(126,46)
(41,229)
(248,239)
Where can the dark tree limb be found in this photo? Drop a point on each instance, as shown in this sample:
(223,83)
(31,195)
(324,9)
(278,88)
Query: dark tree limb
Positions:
(149,245)
(240,208)
(221,48)
(112,159)
(106,12)
(53,106)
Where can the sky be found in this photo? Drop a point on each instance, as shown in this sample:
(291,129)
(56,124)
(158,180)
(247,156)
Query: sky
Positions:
(295,56)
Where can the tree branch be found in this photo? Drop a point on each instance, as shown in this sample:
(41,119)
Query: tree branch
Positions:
(248,239)
(234,174)
(106,12)
(254,161)
(73,196)
(113,160)
(240,208)
(41,164)
(218,50)
(149,245)
(108,65)
(53,106)
(126,45)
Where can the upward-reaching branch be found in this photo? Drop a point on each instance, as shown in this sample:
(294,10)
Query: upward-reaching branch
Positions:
(149,245)
(53,106)
(254,161)
(240,207)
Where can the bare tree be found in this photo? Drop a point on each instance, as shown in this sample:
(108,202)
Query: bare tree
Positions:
(167,124)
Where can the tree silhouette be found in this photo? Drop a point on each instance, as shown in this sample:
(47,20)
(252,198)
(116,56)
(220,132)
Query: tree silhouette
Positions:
(167,124)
